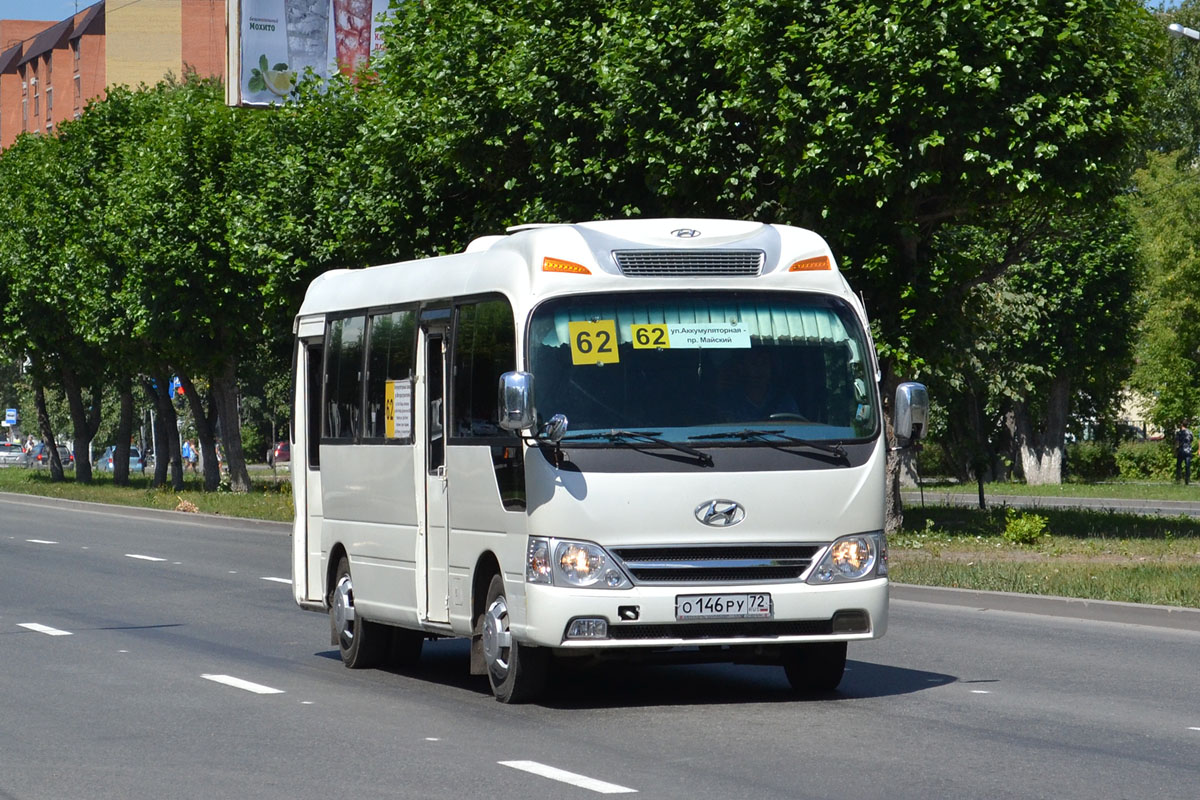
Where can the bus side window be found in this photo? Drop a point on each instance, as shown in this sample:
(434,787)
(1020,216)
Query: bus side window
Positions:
(391,350)
(315,373)
(484,348)
(343,378)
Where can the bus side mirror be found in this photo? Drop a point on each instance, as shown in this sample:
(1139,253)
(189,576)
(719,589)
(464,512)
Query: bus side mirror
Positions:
(912,413)
(516,401)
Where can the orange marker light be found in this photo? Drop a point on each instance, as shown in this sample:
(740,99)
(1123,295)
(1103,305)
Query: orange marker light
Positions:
(558,265)
(811,264)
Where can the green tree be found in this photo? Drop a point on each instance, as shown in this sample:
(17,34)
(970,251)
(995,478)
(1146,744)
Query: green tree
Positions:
(168,220)
(880,125)
(52,289)
(1167,207)
(1046,342)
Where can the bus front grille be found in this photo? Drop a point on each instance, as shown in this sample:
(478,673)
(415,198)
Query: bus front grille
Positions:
(722,563)
(684,263)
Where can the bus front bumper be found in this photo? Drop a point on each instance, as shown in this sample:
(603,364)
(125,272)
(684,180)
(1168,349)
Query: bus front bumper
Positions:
(647,616)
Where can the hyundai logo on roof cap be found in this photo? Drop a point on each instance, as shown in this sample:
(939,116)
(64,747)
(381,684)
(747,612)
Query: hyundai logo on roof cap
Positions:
(685,233)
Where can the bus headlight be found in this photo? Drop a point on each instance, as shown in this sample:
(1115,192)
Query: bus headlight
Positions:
(852,558)
(562,562)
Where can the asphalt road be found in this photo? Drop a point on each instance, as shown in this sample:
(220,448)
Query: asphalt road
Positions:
(159,655)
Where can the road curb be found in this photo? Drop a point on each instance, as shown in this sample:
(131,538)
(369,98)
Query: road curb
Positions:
(1174,617)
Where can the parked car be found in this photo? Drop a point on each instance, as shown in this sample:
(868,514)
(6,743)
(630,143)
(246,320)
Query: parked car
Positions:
(281,453)
(105,462)
(39,456)
(11,454)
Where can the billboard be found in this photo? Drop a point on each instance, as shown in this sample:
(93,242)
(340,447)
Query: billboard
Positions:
(272,42)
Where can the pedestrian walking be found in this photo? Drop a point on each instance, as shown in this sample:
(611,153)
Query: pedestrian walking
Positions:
(1183,453)
(187,454)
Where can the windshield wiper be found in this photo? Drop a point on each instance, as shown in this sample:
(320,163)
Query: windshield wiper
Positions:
(751,433)
(651,437)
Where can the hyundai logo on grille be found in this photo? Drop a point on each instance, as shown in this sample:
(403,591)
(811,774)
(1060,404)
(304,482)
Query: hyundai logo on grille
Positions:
(720,513)
(686,233)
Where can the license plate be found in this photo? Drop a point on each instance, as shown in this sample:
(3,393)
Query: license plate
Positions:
(723,606)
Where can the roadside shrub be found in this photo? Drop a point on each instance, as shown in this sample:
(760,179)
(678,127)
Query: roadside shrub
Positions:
(1091,461)
(933,461)
(1023,527)
(1145,461)
(254,444)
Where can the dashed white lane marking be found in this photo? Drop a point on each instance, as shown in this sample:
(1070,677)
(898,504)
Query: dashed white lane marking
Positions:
(554,774)
(143,558)
(980,691)
(238,683)
(46,629)
(288,581)
(1194,729)
(40,541)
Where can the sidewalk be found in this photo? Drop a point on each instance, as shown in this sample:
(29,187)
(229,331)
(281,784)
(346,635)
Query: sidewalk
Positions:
(1160,508)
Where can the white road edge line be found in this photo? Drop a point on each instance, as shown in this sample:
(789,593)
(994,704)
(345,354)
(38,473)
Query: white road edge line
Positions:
(238,683)
(288,581)
(144,558)
(582,781)
(46,629)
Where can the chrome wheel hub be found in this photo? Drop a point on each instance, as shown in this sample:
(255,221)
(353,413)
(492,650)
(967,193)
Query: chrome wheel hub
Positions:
(343,610)
(496,637)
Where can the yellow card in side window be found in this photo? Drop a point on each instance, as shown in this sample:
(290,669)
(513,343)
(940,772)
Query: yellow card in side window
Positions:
(650,337)
(593,342)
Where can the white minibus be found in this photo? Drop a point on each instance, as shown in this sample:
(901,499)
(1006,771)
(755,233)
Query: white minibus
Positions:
(643,439)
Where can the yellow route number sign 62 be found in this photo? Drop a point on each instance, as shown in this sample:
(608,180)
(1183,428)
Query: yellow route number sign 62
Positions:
(650,337)
(594,342)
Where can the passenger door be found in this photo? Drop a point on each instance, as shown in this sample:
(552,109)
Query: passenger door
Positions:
(430,415)
(305,467)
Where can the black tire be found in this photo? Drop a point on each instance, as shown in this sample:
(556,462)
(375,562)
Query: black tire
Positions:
(517,673)
(361,643)
(815,668)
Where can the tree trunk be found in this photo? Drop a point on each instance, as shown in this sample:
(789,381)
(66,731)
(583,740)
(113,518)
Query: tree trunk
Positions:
(225,394)
(205,423)
(43,415)
(1041,452)
(124,433)
(166,438)
(158,434)
(85,422)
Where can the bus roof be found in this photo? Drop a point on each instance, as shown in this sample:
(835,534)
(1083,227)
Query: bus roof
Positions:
(535,261)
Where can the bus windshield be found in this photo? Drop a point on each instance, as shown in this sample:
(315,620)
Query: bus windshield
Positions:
(704,367)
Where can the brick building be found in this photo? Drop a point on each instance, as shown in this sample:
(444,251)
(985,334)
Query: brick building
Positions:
(50,70)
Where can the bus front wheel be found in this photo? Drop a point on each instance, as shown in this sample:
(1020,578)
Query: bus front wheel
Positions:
(815,668)
(359,641)
(516,672)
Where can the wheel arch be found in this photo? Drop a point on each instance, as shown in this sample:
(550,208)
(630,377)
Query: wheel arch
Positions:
(486,566)
(336,554)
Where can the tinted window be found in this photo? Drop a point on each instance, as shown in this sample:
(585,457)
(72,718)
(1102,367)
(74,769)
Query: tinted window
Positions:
(343,378)
(389,359)
(484,348)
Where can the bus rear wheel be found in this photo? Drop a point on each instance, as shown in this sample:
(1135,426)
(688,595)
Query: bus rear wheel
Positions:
(361,643)
(815,668)
(517,673)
